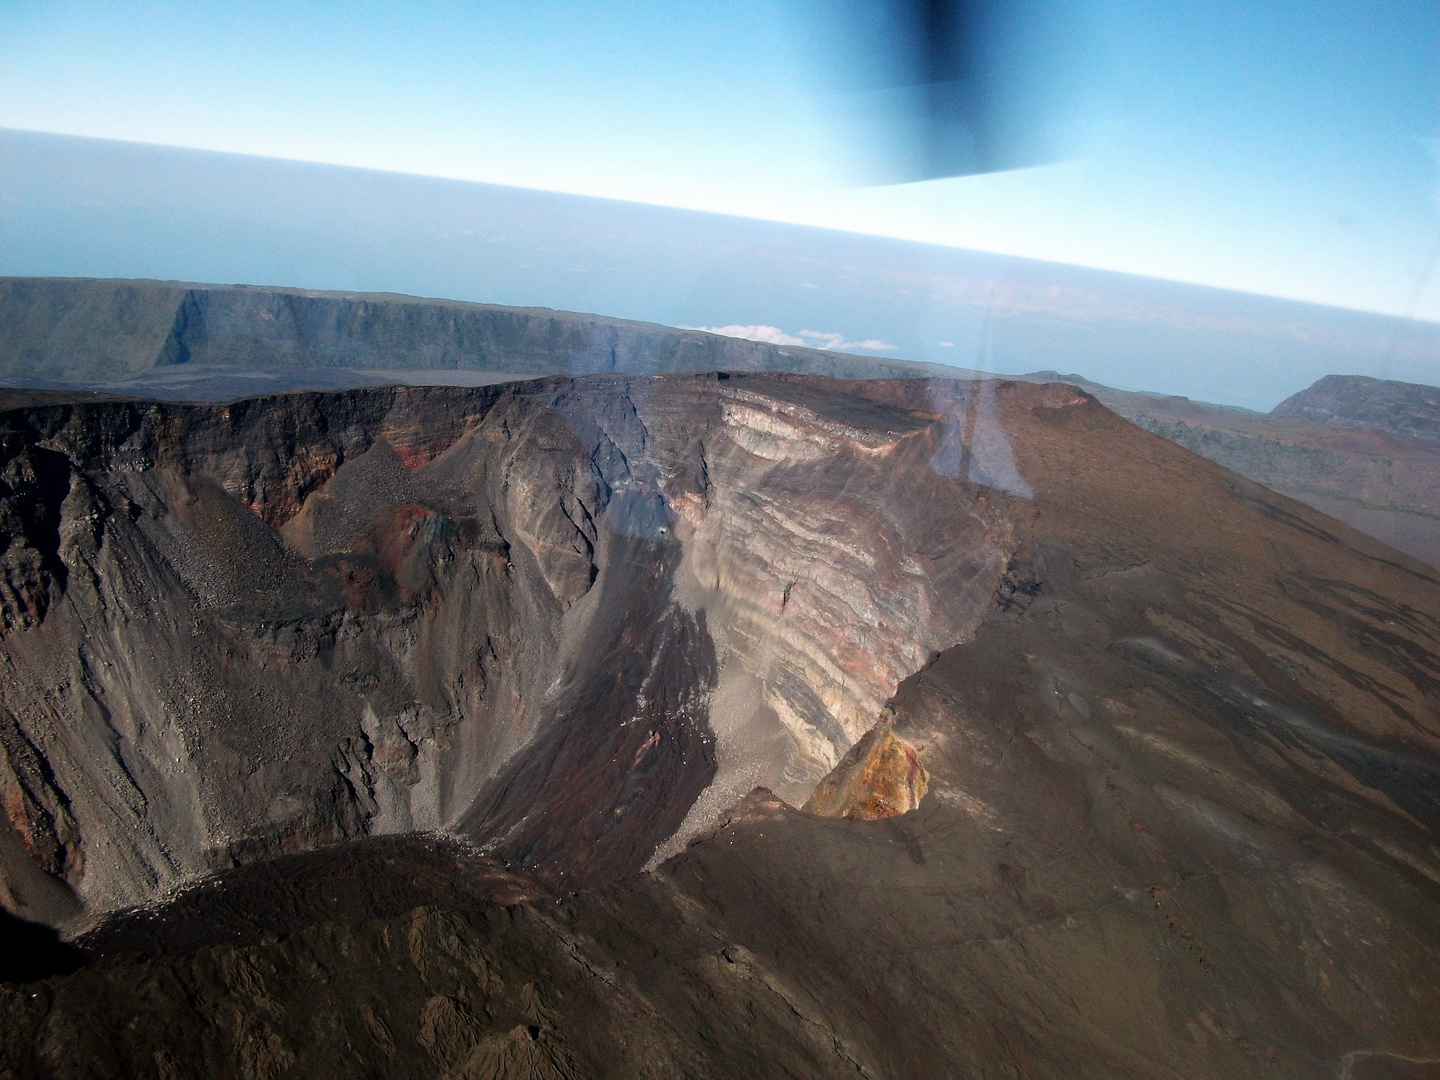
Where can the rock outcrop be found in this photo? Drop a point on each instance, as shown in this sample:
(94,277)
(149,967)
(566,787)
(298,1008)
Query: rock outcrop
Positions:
(880,777)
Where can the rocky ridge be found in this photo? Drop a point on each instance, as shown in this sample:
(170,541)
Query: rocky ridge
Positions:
(176,339)
(1404,410)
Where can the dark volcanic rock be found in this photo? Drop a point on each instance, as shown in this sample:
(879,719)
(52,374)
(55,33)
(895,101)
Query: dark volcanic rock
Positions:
(1182,738)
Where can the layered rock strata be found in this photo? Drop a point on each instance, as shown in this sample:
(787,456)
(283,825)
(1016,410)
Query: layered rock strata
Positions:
(241,630)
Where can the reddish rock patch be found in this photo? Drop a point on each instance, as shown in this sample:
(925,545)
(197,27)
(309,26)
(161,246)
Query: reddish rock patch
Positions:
(880,777)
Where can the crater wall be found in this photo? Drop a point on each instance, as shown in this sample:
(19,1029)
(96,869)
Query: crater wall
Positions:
(566,619)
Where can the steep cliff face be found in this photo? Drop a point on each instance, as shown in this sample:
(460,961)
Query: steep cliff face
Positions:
(834,555)
(193,690)
(82,330)
(242,630)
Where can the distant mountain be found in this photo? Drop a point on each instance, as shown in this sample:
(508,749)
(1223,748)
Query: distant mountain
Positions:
(1409,410)
(178,340)
(1361,450)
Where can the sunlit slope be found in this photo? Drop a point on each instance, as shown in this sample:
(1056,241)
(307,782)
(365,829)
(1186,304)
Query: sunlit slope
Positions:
(1366,451)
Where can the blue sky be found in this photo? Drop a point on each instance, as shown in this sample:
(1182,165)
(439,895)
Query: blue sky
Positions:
(1280,148)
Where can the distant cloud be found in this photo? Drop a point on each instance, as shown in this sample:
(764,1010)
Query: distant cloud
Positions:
(808,285)
(820,339)
(811,339)
(947,344)
(772,334)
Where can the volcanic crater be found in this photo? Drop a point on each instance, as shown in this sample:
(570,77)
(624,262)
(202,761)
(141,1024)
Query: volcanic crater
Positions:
(701,724)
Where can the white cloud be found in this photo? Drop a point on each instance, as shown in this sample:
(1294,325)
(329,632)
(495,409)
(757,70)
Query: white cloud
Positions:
(821,339)
(772,334)
(811,339)
(808,285)
(947,344)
